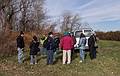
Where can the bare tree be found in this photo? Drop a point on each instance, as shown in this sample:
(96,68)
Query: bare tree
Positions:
(32,14)
(6,13)
(70,22)
(23,15)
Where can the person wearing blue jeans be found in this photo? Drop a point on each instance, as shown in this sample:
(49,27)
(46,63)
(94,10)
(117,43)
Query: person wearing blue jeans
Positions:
(82,43)
(43,51)
(42,42)
(33,59)
(82,55)
(20,47)
(50,46)
(34,49)
(50,54)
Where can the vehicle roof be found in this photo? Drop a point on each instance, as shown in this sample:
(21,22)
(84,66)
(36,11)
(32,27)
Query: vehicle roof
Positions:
(83,29)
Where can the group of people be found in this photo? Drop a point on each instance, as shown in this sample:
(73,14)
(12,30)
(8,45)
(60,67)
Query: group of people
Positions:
(51,44)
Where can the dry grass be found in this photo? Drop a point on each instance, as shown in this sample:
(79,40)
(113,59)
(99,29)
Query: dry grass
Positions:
(8,42)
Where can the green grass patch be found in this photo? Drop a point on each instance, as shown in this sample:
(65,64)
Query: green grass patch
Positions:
(106,64)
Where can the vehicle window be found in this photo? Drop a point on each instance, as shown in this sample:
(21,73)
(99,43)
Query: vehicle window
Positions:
(77,33)
(87,33)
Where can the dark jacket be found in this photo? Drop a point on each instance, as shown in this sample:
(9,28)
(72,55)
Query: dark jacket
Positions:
(50,44)
(20,42)
(57,41)
(91,41)
(34,48)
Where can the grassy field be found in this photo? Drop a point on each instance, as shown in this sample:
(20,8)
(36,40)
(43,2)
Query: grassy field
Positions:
(106,64)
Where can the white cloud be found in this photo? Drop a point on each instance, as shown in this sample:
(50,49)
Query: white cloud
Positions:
(92,11)
(100,11)
(87,4)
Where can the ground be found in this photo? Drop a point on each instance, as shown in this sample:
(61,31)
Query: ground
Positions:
(106,64)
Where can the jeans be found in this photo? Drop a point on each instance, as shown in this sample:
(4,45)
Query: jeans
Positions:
(43,51)
(33,59)
(68,52)
(20,55)
(55,53)
(50,56)
(82,54)
(54,57)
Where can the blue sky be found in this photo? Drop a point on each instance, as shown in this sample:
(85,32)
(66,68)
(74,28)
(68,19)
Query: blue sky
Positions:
(102,15)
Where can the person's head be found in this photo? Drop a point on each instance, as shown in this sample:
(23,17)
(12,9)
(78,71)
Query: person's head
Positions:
(21,33)
(50,34)
(34,38)
(82,35)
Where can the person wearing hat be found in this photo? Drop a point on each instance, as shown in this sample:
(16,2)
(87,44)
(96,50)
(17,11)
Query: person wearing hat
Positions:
(34,49)
(66,44)
(20,47)
(50,46)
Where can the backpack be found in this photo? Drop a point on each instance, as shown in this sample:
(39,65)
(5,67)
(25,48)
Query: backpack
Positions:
(84,41)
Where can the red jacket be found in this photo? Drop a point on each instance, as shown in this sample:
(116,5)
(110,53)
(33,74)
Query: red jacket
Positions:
(66,43)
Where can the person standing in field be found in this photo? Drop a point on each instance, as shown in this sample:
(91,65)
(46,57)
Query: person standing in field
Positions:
(74,42)
(34,49)
(92,46)
(20,47)
(66,44)
(57,41)
(82,44)
(49,44)
(43,49)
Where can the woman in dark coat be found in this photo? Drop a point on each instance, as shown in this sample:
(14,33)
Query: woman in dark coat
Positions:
(92,46)
(34,48)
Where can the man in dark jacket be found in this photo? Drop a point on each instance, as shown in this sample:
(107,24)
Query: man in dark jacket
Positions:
(91,43)
(20,47)
(50,46)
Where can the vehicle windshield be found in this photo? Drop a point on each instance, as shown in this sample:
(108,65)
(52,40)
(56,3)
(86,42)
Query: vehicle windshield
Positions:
(77,33)
(87,33)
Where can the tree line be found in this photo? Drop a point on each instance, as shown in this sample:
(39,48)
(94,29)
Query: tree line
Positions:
(30,16)
(109,35)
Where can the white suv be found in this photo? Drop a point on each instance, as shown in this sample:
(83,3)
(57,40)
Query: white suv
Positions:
(87,32)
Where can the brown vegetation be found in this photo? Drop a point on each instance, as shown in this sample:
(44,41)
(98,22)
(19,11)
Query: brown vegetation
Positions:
(109,35)
(8,42)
